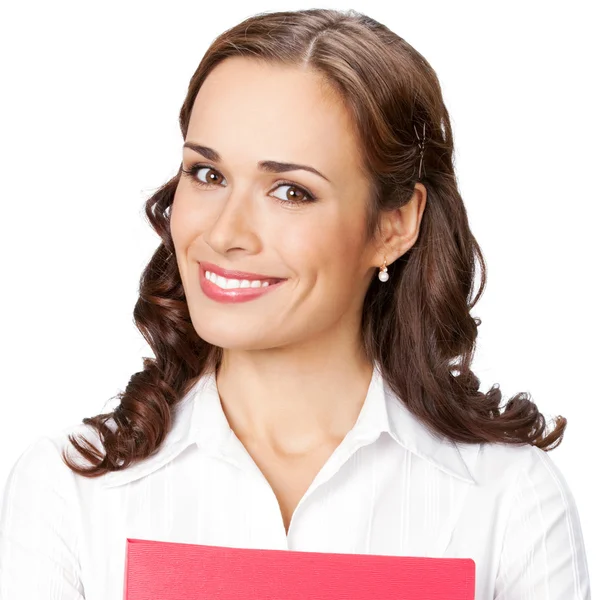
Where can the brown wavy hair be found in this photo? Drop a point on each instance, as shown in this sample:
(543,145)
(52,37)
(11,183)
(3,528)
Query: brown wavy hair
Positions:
(417,326)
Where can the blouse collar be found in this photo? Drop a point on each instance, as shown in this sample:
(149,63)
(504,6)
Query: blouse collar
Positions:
(199,418)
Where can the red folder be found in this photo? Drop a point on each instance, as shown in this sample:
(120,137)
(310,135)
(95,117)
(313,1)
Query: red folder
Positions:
(173,571)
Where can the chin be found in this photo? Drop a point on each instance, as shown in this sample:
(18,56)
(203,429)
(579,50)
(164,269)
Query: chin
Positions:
(234,338)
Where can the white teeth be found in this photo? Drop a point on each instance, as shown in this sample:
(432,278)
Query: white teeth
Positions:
(228,284)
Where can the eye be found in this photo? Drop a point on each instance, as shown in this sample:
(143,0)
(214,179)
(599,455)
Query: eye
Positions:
(295,195)
(213,175)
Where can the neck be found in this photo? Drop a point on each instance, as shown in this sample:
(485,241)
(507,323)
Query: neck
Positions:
(291,400)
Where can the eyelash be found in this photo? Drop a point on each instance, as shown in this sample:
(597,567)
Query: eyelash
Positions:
(193,170)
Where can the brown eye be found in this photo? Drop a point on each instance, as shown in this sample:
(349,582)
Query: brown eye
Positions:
(294,194)
(193,171)
(212,175)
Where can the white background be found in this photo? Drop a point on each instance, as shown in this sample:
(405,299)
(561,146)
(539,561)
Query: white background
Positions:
(89,129)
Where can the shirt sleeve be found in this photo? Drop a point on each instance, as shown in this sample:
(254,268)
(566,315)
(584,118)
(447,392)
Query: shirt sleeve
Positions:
(39,531)
(543,554)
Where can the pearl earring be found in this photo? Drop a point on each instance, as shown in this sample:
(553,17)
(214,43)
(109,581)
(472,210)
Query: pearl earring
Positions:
(383,274)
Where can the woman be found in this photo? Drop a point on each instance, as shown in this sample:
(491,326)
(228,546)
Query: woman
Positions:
(309,310)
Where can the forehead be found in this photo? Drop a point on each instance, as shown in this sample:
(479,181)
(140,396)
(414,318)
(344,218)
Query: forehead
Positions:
(246,108)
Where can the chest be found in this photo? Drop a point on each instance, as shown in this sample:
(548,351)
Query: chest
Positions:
(380,499)
(290,477)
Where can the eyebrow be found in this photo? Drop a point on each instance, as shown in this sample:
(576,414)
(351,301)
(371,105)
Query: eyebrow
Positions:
(270,166)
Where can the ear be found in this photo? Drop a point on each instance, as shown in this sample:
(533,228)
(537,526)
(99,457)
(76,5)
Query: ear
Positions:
(399,228)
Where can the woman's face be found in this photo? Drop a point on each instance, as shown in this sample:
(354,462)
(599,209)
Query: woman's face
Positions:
(230,214)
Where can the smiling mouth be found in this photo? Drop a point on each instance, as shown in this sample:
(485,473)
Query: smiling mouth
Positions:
(226,283)
(235,289)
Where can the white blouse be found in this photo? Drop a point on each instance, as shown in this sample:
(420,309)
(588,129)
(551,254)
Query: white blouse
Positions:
(390,487)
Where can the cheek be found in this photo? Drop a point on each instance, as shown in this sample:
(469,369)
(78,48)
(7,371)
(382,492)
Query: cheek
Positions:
(184,229)
(186,220)
(327,248)
(176,220)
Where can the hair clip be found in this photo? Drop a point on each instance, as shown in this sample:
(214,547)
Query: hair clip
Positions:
(421,145)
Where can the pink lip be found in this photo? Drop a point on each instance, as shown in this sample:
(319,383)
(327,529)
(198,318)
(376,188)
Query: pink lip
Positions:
(207,266)
(214,292)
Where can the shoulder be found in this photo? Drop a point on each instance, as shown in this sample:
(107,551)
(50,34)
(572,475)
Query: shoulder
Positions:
(41,488)
(41,465)
(519,465)
(537,499)
(542,542)
(39,518)
(537,481)
(509,473)
(40,460)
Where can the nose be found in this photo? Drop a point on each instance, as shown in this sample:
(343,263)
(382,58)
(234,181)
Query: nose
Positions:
(233,227)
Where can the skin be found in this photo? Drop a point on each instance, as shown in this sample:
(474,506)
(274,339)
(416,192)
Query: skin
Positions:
(294,376)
